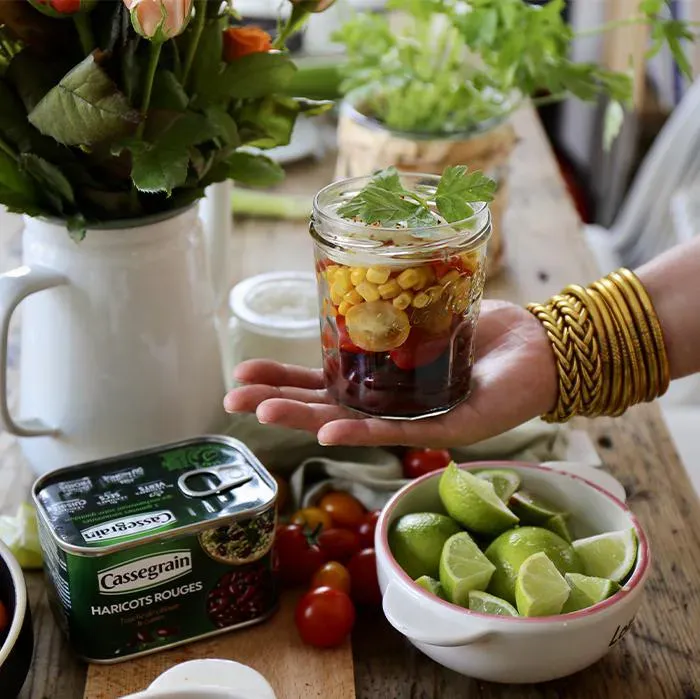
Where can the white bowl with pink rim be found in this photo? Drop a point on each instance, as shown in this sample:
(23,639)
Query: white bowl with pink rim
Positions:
(507,649)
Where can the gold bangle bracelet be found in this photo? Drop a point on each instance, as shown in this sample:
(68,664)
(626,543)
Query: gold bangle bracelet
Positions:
(655,327)
(608,347)
(641,323)
(569,400)
(585,298)
(581,335)
(617,368)
(633,387)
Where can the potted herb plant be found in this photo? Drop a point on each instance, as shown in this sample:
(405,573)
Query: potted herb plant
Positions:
(432,83)
(115,116)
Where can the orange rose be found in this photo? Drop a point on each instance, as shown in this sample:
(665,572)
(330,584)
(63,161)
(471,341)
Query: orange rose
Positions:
(240,41)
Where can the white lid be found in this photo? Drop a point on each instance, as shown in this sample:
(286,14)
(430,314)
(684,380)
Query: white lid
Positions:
(278,304)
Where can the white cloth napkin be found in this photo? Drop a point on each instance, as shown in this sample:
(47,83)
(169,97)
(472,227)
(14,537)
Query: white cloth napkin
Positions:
(372,475)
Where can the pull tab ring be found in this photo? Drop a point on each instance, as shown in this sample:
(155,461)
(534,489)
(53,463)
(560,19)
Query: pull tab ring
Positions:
(227,481)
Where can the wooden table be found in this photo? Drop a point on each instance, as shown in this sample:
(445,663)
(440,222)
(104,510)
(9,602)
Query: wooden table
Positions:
(660,656)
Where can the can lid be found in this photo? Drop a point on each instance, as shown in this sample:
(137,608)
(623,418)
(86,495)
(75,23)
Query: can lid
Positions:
(283,304)
(126,500)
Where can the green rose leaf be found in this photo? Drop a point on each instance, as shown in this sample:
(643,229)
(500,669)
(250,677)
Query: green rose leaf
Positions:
(168,93)
(161,166)
(13,119)
(255,75)
(47,175)
(207,65)
(85,108)
(17,191)
(269,122)
(224,124)
(253,169)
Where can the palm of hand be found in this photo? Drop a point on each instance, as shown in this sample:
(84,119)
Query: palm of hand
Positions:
(514,380)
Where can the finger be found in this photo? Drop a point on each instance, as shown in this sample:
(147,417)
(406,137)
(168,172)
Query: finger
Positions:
(378,432)
(300,416)
(247,398)
(263,371)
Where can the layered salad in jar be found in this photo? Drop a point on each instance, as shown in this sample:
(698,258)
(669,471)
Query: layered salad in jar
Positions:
(400,266)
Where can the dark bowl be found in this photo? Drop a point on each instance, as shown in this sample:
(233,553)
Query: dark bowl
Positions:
(17,642)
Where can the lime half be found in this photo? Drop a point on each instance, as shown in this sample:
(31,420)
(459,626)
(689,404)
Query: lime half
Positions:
(587,591)
(416,540)
(505,482)
(431,585)
(473,502)
(463,568)
(540,589)
(485,603)
(558,525)
(512,548)
(611,555)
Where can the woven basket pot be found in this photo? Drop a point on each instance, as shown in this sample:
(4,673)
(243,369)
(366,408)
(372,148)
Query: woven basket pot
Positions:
(365,146)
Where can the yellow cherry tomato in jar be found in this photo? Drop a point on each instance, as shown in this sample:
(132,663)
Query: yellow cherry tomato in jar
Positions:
(377,326)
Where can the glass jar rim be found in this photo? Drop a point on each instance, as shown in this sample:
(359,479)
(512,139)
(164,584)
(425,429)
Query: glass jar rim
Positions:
(421,234)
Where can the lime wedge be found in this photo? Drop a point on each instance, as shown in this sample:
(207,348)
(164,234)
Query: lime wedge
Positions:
(540,589)
(416,540)
(463,568)
(431,585)
(20,534)
(504,481)
(473,502)
(532,509)
(485,603)
(512,548)
(558,525)
(587,591)
(611,555)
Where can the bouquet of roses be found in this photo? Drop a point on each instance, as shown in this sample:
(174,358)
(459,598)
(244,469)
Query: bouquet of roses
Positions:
(117,109)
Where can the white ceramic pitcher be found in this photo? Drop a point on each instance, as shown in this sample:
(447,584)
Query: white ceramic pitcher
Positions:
(119,348)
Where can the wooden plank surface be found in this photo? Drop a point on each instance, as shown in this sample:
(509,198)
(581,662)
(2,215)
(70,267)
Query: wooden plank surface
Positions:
(660,656)
(274,649)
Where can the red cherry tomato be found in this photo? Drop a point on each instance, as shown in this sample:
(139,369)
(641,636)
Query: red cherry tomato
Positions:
(297,558)
(339,544)
(442,267)
(420,349)
(344,509)
(334,575)
(313,518)
(366,529)
(418,462)
(363,578)
(324,617)
(344,341)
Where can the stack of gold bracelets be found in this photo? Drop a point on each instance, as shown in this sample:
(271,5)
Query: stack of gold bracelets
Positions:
(608,345)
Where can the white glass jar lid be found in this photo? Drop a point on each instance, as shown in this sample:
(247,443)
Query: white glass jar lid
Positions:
(281,304)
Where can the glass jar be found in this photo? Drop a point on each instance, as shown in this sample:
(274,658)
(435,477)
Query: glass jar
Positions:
(399,305)
(275,316)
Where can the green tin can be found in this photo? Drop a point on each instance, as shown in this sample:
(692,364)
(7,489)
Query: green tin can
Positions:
(156,548)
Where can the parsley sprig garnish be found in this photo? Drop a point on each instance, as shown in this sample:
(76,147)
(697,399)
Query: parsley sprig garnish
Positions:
(384,201)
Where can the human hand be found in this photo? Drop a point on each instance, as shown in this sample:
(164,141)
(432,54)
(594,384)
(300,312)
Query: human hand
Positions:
(514,380)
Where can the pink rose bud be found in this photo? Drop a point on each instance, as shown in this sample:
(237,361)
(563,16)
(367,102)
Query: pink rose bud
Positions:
(62,8)
(159,20)
(312,5)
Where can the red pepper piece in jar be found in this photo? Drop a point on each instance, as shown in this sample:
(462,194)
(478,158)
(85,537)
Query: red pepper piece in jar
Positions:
(419,350)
